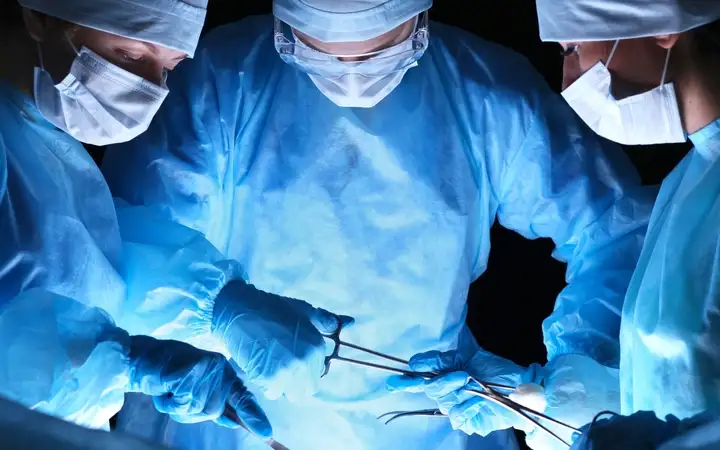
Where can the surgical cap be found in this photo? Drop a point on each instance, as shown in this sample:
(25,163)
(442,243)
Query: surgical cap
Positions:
(609,20)
(347,20)
(174,24)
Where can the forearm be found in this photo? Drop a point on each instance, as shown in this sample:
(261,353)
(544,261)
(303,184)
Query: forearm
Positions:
(63,358)
(174,276)
(601,260)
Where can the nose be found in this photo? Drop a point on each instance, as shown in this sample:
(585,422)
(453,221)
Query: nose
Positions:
(151,71)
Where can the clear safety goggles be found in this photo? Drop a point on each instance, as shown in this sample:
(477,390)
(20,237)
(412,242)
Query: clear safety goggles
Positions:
(378,63)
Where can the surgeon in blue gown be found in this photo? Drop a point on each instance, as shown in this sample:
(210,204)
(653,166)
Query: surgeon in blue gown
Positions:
(664,63)
(80,289)
(361,170)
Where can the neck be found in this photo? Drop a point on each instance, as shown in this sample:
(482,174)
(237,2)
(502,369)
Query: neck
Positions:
(699,98)
(19,56)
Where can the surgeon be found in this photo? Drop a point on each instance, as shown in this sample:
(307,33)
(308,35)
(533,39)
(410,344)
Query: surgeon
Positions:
(355,155)
(641,75)
(649,76)
(83,287)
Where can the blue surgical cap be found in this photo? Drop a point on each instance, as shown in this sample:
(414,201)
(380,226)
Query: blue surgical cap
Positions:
(609,20)
(347,20)
(174,24)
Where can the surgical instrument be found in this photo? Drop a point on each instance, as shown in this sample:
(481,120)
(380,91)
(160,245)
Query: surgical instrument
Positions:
(339,343)
(489,393)
(232,415)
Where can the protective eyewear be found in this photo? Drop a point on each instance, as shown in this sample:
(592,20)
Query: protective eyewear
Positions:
(378,63)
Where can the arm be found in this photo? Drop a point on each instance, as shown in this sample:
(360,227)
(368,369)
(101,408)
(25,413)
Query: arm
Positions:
(178,183)
(69,360)
(562,182)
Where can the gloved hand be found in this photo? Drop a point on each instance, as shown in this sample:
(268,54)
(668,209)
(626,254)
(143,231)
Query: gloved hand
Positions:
(467,412)
(275,340)
(641,430)
(192,385)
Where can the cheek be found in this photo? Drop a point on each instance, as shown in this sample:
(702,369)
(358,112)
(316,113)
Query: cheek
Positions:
(572,70)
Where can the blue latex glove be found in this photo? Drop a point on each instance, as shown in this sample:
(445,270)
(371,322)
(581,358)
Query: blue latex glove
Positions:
(467,412)
(275,340)
(642,430)
(192,385)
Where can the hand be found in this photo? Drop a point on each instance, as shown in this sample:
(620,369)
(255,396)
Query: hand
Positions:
(638,431)
(191,385)
(467,412)
(275,340)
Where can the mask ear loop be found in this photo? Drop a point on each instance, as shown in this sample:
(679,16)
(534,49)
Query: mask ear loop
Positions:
(75,49)
(665,70)
(612,53)
(40,55)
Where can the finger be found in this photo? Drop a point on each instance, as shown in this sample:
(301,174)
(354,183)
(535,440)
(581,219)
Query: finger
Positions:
(327,322)
(249,411)
(229,420)
(435,361)
(453,399)
(172,404)
(405,383)
(445,384)
(466,416)
(219,385)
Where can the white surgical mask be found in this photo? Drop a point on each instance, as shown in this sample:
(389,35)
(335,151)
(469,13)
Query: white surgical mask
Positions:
(645,119)
(366,82)
(98,103)
(358,91)
(357,84)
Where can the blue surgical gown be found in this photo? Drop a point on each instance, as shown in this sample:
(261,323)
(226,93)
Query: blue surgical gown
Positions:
(384,214)
(670,332)
(72,285)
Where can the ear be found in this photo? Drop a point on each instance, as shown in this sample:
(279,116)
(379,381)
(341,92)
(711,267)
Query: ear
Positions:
(35,24)
(667,41)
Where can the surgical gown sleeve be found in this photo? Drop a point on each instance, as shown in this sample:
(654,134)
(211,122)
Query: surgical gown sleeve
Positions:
(57,355)
(182,164)
(558,180)
(63,358)
(173,277)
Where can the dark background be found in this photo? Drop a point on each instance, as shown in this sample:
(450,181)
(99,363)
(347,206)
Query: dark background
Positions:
(509,302)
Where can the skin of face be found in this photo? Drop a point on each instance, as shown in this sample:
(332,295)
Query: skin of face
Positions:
(636,67)
(144,59)
(385,40)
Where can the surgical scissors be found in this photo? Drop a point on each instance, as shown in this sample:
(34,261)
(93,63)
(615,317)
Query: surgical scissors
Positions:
(339,343)
(489,393)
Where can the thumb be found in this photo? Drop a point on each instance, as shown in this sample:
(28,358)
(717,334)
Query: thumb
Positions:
(243,409)
(327,322)
(435,361)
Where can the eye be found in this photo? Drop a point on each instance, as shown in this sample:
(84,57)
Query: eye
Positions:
(570,50)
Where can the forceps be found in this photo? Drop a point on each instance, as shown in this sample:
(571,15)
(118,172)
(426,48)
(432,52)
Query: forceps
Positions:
(490,393)
(338,343)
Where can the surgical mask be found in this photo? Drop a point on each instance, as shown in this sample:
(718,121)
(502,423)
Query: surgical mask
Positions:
(361,84)
(645,119)
(98,103)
